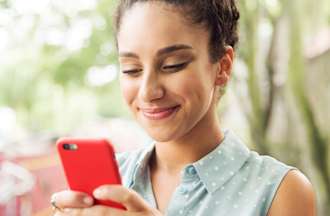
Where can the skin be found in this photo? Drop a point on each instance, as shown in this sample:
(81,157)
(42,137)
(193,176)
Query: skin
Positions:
(173,69)
(295,196)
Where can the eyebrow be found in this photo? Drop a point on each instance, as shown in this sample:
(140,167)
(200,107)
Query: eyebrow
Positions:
(163,51)
(173,48)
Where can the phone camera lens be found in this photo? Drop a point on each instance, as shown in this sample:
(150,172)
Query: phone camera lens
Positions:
(70,146)
(66,146)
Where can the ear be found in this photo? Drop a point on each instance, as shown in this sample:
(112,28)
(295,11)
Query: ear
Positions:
(225,66)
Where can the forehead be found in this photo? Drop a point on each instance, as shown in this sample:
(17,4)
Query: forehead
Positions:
(153,25)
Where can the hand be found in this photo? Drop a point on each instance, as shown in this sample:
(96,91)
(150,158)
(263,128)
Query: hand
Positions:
(80,204)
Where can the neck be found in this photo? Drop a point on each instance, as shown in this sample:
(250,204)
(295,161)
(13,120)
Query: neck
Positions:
(173,156)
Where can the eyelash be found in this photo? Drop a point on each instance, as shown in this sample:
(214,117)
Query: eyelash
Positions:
(176,67)
(134,71)
(171,68)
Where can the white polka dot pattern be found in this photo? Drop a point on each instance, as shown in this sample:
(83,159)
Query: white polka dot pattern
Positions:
(231,180)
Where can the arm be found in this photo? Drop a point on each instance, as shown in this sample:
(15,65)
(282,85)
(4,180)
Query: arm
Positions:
(295,196)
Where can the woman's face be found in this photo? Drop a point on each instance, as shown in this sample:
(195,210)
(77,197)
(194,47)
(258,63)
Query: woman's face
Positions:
(166,77)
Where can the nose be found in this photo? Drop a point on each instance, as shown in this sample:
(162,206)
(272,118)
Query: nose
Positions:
(151,87)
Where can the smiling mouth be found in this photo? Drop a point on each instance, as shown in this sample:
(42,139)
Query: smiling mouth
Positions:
(159,113)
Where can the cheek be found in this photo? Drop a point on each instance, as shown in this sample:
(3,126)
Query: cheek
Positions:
(192,89)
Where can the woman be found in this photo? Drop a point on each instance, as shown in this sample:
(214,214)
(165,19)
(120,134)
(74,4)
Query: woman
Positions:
(176,59)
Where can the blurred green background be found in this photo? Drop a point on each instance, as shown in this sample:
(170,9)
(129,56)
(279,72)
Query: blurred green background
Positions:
(59,75)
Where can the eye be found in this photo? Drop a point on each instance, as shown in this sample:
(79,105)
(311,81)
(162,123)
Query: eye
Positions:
(175,67)
(132,71)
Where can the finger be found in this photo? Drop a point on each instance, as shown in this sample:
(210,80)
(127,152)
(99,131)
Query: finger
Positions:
(72,199)
(95,211)
(127,197)
(65,212)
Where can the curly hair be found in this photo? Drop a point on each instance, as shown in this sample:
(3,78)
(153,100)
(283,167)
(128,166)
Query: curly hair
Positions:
(219,17)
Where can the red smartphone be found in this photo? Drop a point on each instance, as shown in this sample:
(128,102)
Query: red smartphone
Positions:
(88,164)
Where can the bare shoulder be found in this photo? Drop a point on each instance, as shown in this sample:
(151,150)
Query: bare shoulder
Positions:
(295,196)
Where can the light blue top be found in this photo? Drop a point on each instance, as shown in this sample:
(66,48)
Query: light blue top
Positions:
(230,180)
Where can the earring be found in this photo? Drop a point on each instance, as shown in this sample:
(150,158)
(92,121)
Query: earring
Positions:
(222,90)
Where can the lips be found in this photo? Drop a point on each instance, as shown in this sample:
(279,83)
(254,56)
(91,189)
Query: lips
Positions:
(158,113)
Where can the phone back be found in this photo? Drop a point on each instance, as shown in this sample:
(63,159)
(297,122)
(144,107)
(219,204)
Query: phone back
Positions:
(90,164)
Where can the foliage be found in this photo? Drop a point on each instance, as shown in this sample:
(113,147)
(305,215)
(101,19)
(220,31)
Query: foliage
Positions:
(45,67)
(291,24)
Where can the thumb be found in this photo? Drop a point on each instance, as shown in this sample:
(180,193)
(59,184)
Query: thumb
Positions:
(127,197)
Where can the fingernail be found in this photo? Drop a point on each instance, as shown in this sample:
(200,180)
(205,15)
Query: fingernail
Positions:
(88,200)
(52,198)
(98,193)
(67,210)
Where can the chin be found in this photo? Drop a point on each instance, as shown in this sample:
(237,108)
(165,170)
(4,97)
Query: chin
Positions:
(162,136)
